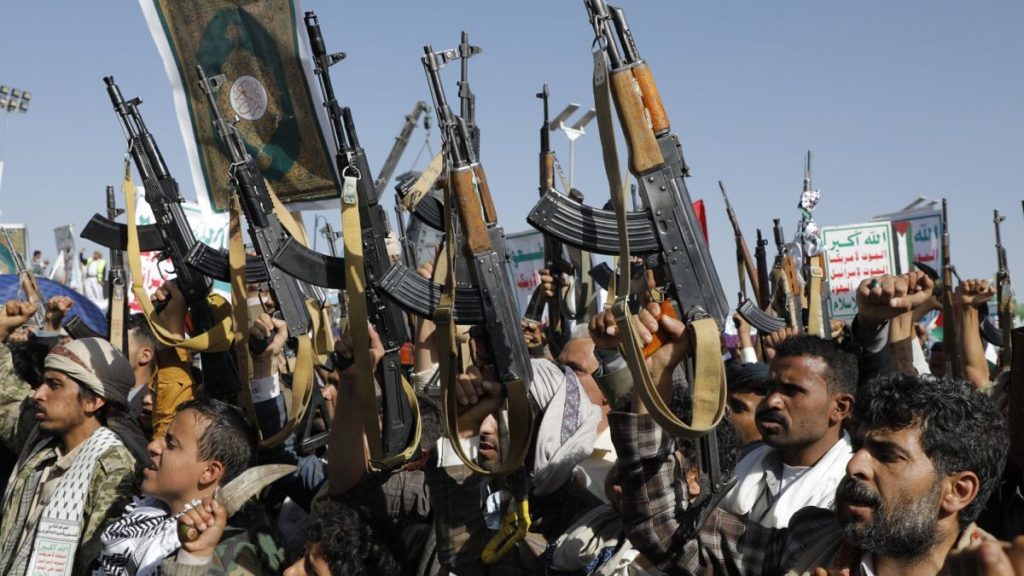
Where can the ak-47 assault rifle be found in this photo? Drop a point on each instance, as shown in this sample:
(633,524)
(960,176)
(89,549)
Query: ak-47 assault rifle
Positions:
(950,334)
(414,293)
(171,234)
(176,241)
(27,280)
(468,200)
(266,232)
(117,300)
(399,422)
(554,261)
(1004,299)
(786,304)
(743,260)
(666,233)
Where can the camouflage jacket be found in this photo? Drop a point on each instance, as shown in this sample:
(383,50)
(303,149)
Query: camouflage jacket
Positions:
(110,490)
(249,547)
(14,401)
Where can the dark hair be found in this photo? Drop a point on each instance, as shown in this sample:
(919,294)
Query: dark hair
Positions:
(86,394)
(841,375)
(350,543)
(37,253)
(961,428)
(138,328)
(27,359)
(729,439)
(228,438)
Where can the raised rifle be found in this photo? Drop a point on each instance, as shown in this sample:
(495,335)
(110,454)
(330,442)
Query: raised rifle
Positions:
(117,285)
(170,234)
(666,233)
(398,422)
(401,141)
(27,280)
(950,336)
(554,261)
(402,284)
(743,259)
(468,200)
(176,240)
(761,257)
(266,232)
(816,284)
(786,303)
(1004,297)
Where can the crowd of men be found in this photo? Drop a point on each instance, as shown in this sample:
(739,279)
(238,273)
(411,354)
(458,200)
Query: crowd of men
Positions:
(842,455)
(208,437)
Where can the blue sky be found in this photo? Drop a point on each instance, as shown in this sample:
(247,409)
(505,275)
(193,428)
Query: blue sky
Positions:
(896,99)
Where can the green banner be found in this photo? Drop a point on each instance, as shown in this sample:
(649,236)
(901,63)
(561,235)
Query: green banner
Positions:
(257,46)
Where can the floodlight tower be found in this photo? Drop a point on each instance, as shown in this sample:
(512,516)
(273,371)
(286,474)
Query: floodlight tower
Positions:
(11,100)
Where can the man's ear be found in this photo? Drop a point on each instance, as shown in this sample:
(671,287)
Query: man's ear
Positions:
(963,489)
(92,404)
(213,473)
(843,408)
(146,356)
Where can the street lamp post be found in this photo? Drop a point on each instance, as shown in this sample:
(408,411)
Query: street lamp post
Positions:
(11,100)
(572,132)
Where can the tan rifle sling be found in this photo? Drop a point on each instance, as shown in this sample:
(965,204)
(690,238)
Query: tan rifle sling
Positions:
(449,356)
(709,388)
(217,339)
(355,285)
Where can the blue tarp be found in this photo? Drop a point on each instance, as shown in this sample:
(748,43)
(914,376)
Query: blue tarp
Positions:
(95,318)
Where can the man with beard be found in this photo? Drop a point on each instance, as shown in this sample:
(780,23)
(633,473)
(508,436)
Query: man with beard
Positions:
(801,418)
(74,474)
(928,453)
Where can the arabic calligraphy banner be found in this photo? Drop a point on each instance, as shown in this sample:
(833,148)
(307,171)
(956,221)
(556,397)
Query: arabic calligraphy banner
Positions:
(257,46)
(855,253)
(925,232)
